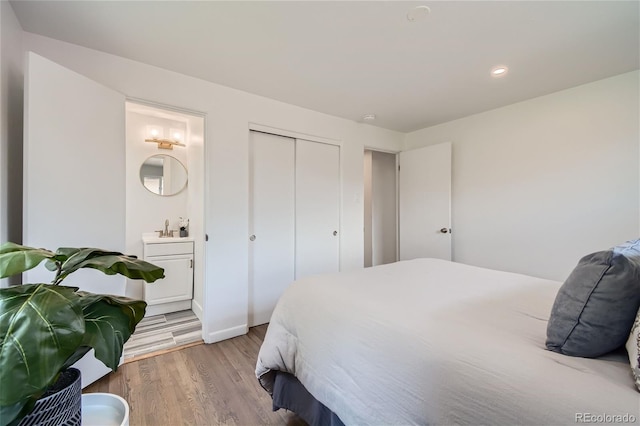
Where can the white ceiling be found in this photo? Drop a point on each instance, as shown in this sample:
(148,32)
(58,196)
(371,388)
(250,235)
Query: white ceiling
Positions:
(350,58)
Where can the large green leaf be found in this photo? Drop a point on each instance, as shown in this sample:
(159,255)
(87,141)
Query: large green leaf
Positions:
(61,255)
(110,263)
(10,415)
(15,259)
(41,325)
(109,322)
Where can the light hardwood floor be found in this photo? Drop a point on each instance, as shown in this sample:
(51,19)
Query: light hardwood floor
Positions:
(201,385)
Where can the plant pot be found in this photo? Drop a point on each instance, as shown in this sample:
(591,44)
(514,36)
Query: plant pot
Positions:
(60,405)
(104,409)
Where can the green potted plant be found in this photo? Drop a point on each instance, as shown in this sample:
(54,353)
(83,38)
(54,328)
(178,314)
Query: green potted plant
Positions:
(45,328)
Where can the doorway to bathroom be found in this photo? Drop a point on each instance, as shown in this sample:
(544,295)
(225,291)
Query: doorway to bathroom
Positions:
(380,208)
(165,223)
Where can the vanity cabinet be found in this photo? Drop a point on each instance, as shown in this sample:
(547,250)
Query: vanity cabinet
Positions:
(175,291)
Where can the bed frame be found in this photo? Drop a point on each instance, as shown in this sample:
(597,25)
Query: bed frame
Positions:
(290,394)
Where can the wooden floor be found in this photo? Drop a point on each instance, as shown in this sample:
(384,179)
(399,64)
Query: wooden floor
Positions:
(201,385)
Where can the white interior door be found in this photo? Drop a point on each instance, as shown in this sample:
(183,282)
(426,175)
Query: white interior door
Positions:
(425,202)
(271,222)
(317,208)
(74,175)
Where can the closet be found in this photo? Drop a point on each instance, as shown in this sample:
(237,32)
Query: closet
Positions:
(294,216)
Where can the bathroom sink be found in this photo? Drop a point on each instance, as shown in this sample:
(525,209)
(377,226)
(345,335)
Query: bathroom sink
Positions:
(152,237)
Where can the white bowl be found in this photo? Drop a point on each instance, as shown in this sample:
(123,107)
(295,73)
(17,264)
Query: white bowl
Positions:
(104,409)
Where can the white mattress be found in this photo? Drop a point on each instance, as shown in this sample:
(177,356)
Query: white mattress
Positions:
(435,342)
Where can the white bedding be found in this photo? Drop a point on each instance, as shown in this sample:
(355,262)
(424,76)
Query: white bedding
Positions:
(435,342)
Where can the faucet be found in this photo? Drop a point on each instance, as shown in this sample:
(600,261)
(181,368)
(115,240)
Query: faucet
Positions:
(165,232)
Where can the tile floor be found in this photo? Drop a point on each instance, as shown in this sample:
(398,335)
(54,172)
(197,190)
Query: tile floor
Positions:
(161,332)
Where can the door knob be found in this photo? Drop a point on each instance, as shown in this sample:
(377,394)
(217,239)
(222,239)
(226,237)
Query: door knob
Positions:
(444,230)
(252,238)
(335,233)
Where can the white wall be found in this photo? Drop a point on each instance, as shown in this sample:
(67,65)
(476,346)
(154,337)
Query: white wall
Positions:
(539,184)
(11,101)
(228,114)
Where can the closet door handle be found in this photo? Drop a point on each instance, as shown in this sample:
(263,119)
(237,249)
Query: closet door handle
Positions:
(335,233)
(252,238)
(191,263)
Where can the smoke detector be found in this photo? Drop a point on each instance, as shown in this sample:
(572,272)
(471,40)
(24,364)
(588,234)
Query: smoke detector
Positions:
(418,13)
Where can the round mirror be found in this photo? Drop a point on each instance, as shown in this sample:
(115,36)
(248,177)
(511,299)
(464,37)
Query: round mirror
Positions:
(163,175)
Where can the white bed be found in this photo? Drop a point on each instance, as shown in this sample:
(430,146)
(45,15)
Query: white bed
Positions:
(435,342)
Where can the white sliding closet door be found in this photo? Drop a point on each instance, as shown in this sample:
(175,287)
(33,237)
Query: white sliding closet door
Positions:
(271,222)
(294,216)
(74,175)
(317,208)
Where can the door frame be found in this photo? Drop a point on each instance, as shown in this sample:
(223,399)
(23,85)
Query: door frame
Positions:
(200,241)
(256,127)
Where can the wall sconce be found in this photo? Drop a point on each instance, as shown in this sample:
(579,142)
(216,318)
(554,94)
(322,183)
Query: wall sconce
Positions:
(177,135)
(156,134)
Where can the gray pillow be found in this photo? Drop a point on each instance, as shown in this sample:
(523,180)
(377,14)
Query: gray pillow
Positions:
(597,304)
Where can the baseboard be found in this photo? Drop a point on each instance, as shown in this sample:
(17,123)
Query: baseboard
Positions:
(197,309)
(165,308)
(228,333)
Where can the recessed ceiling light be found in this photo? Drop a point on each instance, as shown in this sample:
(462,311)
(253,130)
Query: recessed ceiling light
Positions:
(499,71)
(418,13)
(369,117)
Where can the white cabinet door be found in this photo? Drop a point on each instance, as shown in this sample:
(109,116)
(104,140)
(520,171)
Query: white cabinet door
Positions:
(317,208)
(177,284)
(74,174)
(271,222)
(425,202)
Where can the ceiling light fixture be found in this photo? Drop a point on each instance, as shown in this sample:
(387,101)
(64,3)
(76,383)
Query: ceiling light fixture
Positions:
(499,71)
(418,13)
(369,117)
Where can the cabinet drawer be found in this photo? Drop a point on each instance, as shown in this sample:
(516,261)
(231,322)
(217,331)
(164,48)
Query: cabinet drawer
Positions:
(167,249)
